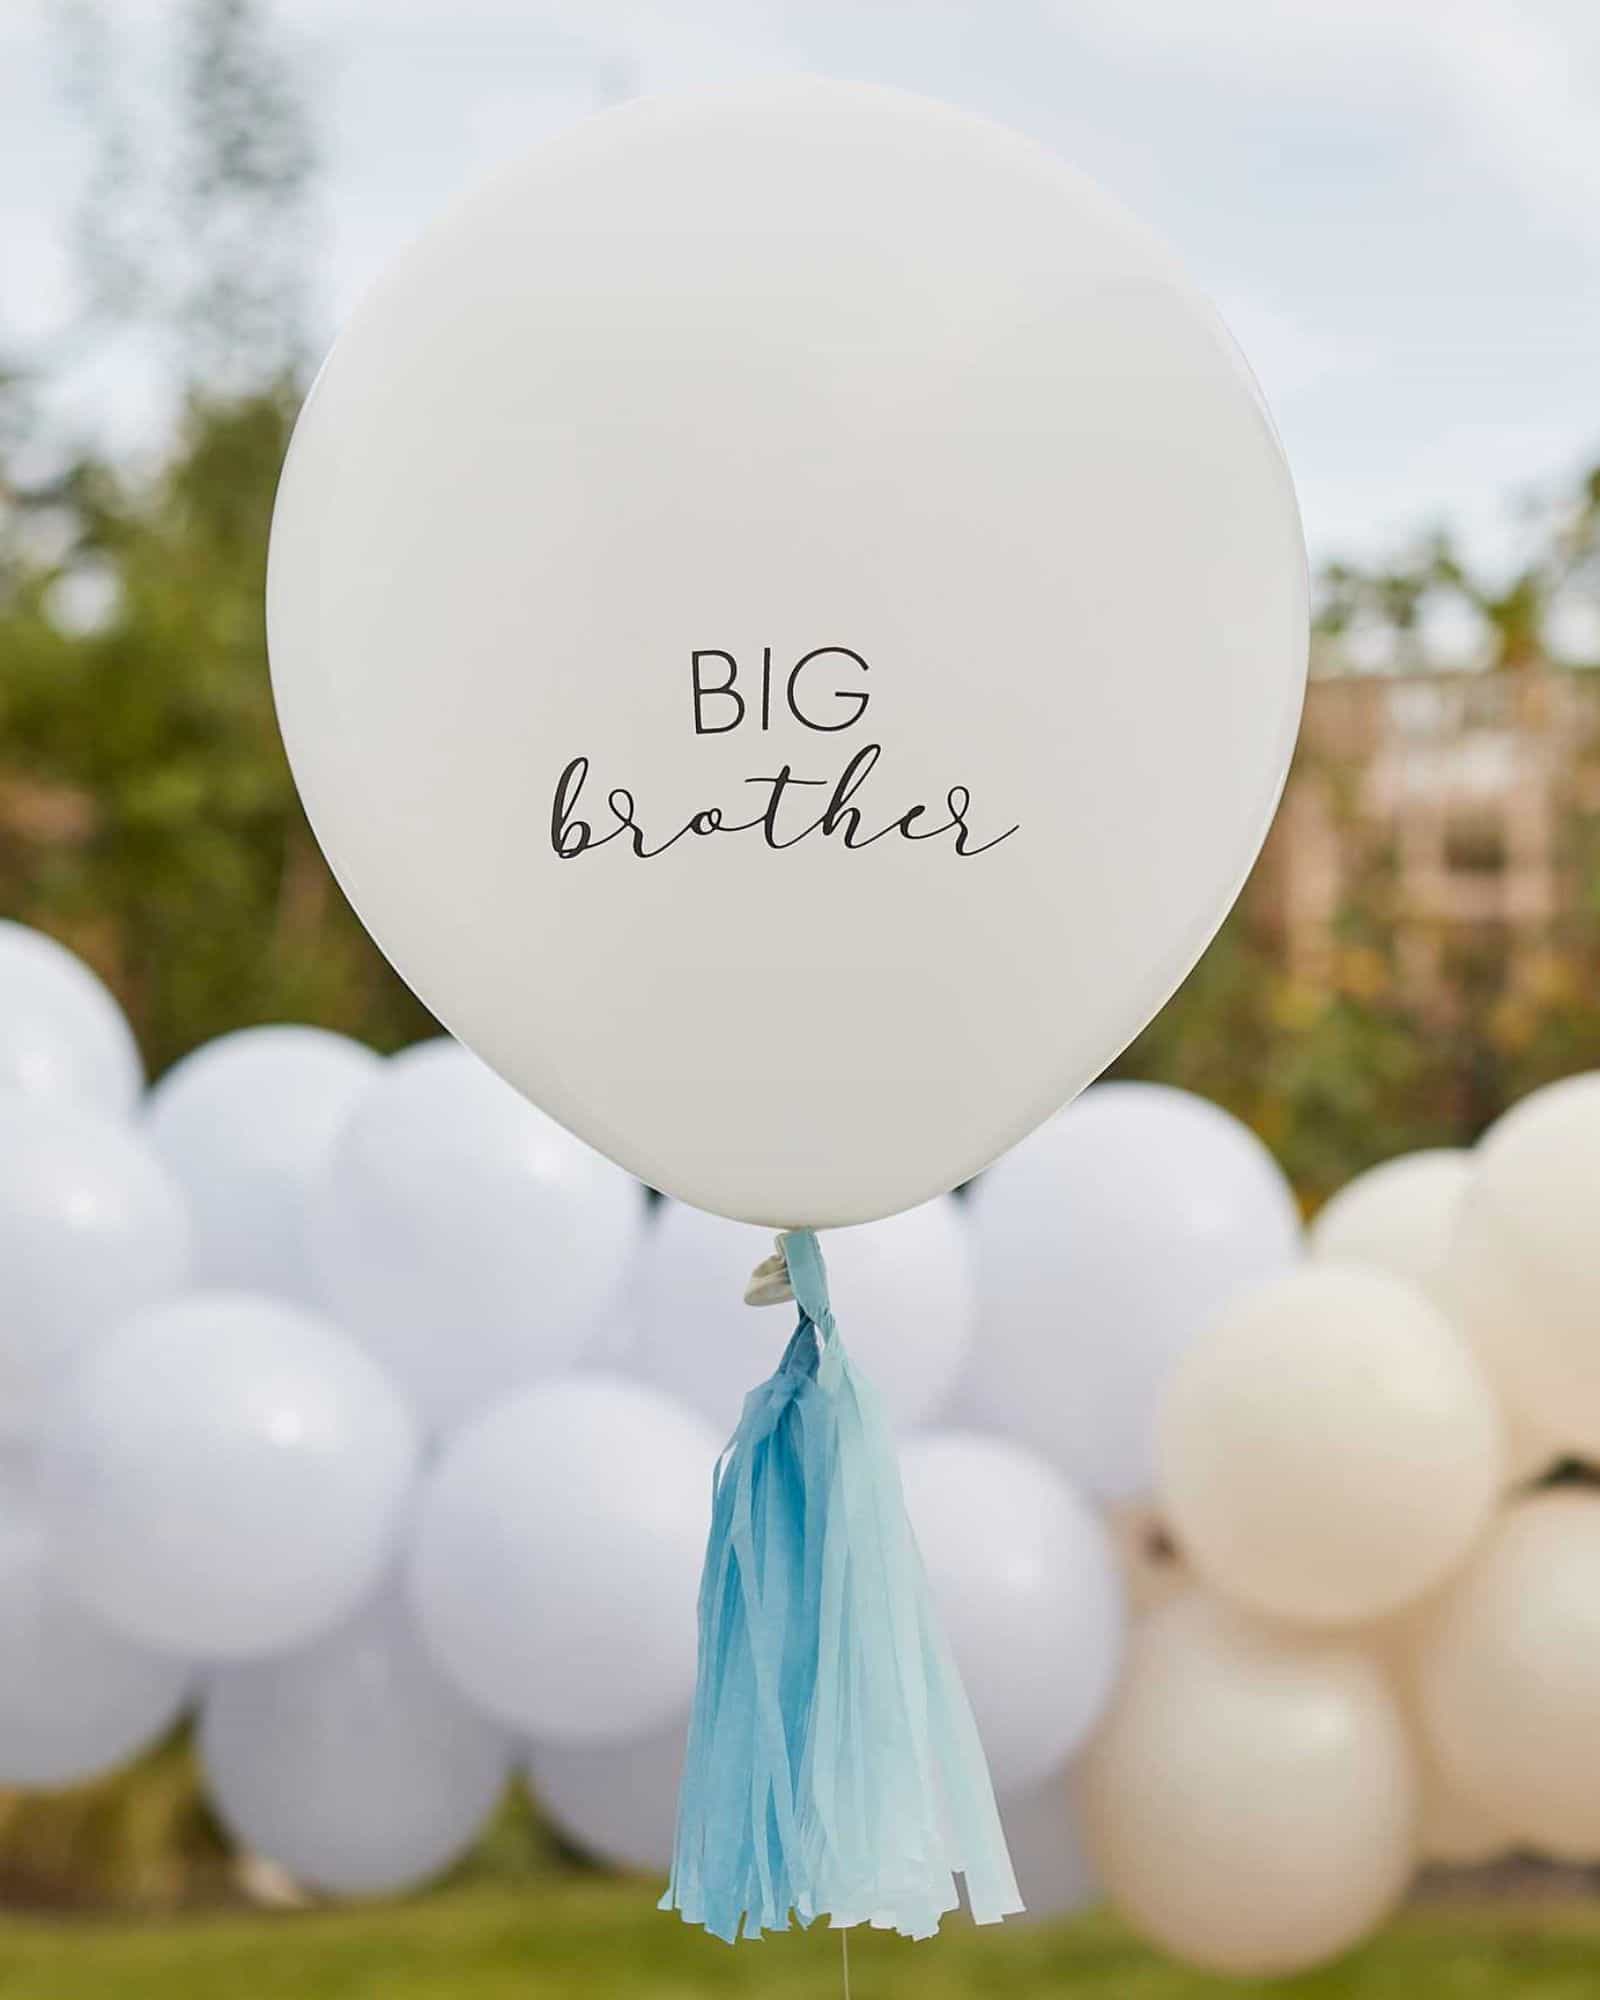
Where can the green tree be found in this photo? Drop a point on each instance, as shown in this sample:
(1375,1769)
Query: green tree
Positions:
(146,811)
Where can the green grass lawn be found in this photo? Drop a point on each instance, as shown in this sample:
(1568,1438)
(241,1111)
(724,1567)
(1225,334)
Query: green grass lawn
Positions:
(598,1940)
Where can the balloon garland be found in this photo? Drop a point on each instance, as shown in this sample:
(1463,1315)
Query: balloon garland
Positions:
(1253,1791)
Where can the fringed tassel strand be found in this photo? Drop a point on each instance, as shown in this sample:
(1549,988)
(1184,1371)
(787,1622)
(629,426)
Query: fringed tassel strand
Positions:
(833,1767)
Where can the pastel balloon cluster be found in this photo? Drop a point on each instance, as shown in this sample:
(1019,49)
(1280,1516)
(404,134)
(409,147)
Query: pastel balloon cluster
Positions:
(358,1407)
(1373,1638)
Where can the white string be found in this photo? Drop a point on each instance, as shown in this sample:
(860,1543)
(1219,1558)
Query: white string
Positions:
(844,1956)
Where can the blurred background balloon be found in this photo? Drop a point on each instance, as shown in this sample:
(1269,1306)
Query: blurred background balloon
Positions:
(1106,1241)
(62,1035)
(617,1802)
(464,1237)
(1055,1875)
(557,1557)
(910,1281)
(246,1126)
(92,1228)
(1025,1580)
(1525,1279)
(76,1696)
(1329,1449)
(1398,1217)
(1251,1800)
(1504,1668)
(352,1762)
(225,1476)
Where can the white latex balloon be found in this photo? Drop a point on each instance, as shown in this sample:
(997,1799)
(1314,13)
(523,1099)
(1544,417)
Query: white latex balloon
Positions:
(91,1228)
(225,1475)
(1027,1585)
(352,1762)
(774,758)
(76,1696)
(1250,1802)
(469,1241)
(246,1125)
(904,1289)
(618,1802)
(62,1035)
(557,1555)
(1524,1276)
(1105,1243)
(1329,1448)
(1505,1674)
(1399,1217)
(1054,1874)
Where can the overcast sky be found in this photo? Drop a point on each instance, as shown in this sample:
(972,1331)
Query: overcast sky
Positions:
(1395,203)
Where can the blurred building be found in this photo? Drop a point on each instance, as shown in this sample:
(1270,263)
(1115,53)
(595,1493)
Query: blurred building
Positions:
(1446,824)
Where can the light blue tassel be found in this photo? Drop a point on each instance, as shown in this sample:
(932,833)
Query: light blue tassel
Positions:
(833,1765)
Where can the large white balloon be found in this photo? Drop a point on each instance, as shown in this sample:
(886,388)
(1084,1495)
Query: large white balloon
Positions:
(464,1237)
(1329,1448)
(618,1802)
(1505,1674)
(246,1124)
(1524,1276)
(904,1289)
(1251,1801)
(91,1228)
(1027,1585)
(76,1696)
(1399,1217)
(774,758)
(1106,1242)
(62,1035)
(352,1762)
(225,1475)
(557,1552)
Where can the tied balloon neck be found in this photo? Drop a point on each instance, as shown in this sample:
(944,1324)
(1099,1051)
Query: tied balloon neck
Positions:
(773,1281)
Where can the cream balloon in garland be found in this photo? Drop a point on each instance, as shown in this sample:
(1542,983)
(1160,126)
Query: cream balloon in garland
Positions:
(788,614)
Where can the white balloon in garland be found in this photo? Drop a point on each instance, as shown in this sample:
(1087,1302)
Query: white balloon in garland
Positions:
(1106,1241)
(617,1802)
(225,1476)
(92,1228)
(62,1035)
(352,1762)
(1026,1582)
(77,1697)
(905,1289)
(467,1239)
(247,1124)
(557,1555)
(1055,1876)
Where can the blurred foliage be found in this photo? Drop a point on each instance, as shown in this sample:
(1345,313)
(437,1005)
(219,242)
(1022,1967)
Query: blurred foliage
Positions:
(147,816)
(146,812)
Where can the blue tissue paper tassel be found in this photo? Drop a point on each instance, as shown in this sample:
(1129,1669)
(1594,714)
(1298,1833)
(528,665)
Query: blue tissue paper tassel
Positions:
(833,1765)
